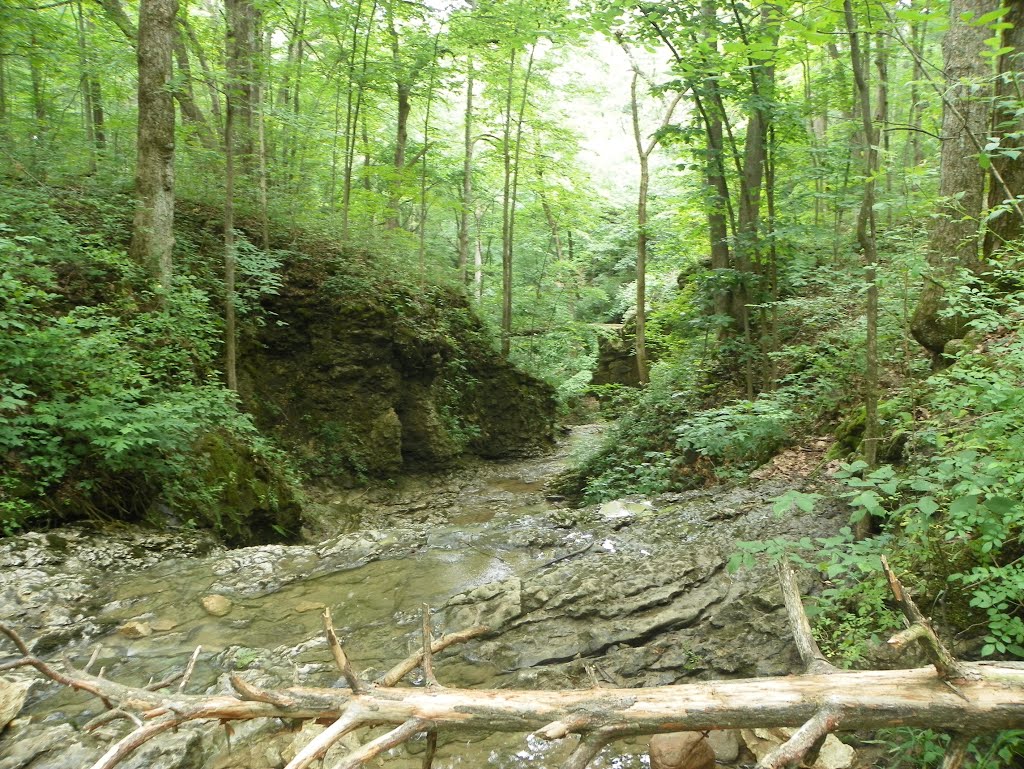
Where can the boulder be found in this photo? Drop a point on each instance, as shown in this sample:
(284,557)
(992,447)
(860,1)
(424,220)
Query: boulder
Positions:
(12,698)
(834,754)
(681,750)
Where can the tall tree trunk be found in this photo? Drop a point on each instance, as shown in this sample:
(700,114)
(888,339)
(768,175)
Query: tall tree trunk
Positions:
(718,201)
(230,255)
(4,108)
(478,262)
(869,251)
(882,108)
(748,245)
(184,93)
(242,25)
(403,93)
(153,226)
(261,139)
(918,30)
(506,210)
(40,137)
(85,85)
(1008,126)
(466,202)
(208,78)
(239,110)
(954,237)
(641,238)
(423,169)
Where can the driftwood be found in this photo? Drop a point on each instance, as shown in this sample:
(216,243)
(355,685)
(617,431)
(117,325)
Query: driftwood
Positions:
(960,697)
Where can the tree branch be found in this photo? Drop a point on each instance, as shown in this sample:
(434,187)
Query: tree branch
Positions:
(948,667)
(814,661)
(805,739)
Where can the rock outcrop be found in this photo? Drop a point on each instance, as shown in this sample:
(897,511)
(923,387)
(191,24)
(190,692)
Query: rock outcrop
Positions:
(366,376)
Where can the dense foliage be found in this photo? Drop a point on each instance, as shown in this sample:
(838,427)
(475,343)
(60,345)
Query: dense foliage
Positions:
(106,393)
(838,183)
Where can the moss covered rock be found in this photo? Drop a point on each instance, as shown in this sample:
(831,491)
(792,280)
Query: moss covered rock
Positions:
(365,375)
(248,500)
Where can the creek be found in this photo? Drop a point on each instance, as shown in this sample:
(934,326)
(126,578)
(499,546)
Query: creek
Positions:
(630,593)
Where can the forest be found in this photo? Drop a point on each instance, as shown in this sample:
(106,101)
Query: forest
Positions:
(268,266)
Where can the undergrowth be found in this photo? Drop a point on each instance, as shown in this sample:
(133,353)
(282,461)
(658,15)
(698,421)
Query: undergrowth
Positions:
(106,388)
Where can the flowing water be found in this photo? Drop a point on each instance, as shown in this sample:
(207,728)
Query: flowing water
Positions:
(632,594)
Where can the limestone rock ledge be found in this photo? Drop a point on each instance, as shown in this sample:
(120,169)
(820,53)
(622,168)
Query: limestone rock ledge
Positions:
(365,376)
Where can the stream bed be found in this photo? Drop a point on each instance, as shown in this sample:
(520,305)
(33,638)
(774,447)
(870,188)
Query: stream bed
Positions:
(631,593)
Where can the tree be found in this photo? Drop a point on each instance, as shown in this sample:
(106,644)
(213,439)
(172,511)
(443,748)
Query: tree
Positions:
(1006,221)
(868,244)
(955,236)
(153,227)
(644,151)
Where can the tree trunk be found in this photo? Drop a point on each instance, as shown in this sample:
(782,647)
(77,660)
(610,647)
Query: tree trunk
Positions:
(641,237)
(242,24)
(208,78)
(954,237)
(403,94)
(506,211)
(1008,126)
(153,226)
(40,139)
(239,103)
(184,93)
(869,252)
(4,108)
(85,84)
(748,238)
(520,120)
(466,202)
(423,168)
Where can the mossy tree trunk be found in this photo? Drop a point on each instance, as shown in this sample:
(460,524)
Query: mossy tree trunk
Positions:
(153,227)
(954,239)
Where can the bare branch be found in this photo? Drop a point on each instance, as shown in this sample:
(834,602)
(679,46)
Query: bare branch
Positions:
(247,691)
(428,657)
(189,669)
(374,748)
(948,667)
(125,746)
(406,666)
(350,720)
(814,661)
(340,658)
(805,739)
(589,748)
(428,756)
(556,730)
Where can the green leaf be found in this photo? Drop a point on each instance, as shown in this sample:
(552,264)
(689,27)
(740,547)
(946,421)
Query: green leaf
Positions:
(964,505)
(1001,505)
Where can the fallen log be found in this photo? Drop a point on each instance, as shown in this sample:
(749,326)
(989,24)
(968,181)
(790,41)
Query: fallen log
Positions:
(962,697)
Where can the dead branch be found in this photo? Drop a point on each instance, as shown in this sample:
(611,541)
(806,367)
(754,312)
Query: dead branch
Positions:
(319,745)
(814,661)
(340,658)
(410,663)
(947,666)
(806,739)
(189,669)
(987,697)
(427,662)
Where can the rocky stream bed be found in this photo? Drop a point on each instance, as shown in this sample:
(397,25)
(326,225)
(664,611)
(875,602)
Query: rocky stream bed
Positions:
(631,593)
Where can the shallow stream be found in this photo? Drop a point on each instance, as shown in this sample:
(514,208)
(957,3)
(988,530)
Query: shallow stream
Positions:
(632,593)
